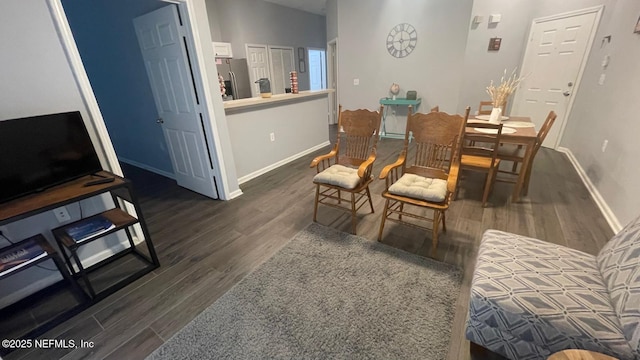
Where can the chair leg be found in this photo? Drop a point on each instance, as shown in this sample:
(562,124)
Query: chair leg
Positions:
(384,217)
(315,205)
(401,210)
(444,222)
(436,223)
(339,197)
(354,218)
(526,180)
(370,201)
(487,187)
(514,168)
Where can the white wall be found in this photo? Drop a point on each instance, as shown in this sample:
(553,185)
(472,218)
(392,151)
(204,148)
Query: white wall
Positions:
(610,112)
(433,69)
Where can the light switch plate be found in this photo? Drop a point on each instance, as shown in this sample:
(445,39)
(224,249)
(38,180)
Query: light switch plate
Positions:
(495,18)
(356,81)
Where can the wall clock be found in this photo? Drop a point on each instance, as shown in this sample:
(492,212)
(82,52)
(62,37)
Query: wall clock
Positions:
(402,40)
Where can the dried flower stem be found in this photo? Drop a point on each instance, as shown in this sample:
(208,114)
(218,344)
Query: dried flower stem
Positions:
(500,93)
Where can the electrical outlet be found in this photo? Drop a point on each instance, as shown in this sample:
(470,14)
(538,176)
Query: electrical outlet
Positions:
(61,214)
(604,145)
(356,81)
(272,136)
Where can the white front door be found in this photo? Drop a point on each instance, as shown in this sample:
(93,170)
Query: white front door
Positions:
(161,40)
(258,62)
(553,63)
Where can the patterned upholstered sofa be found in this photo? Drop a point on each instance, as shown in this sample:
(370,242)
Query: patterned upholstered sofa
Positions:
(531,298)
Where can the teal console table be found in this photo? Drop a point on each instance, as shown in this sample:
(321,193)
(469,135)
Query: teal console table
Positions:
(387,102)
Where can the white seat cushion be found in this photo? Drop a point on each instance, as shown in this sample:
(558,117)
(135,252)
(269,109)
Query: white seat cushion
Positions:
(419,187)
(338,175)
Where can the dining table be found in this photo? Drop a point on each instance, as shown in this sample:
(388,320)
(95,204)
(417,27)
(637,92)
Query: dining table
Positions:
(523,132)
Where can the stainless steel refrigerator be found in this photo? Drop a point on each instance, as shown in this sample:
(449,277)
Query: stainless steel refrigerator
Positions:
(236,74)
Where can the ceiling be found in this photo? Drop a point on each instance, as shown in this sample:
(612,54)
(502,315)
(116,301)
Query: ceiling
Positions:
(312,6)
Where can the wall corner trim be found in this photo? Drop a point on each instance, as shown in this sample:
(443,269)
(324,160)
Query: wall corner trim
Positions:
(595,194)
(235,194)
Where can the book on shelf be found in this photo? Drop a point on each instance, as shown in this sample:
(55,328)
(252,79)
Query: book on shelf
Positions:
(20,256)
(84,229)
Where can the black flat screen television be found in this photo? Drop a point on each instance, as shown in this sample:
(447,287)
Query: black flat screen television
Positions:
(43,151)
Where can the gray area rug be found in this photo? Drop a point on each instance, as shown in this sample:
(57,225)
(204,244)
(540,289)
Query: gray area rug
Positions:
(328,295)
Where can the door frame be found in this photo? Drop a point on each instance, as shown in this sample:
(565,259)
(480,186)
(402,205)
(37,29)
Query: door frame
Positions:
(187,9)
(255,92)
(333,104)
(595,9)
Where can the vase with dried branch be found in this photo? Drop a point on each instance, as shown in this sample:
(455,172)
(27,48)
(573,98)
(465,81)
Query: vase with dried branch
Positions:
(499,94)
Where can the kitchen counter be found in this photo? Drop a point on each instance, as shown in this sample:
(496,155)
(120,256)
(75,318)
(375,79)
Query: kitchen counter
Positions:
(274,99)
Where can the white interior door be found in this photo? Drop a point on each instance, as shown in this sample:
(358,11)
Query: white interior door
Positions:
(553,63)
(258,62)
(317,69)
(281,59)
(160,38)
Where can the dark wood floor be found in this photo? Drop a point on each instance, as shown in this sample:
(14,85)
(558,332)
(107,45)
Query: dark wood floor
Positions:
(207,246)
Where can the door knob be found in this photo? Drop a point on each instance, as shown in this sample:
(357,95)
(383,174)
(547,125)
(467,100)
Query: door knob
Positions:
(160,121)
(566,93)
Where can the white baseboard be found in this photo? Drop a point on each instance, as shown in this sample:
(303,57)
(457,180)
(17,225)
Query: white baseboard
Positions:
(107,253)
(31,288)
(264,170)
(147,167)
(595,194)
(235,194)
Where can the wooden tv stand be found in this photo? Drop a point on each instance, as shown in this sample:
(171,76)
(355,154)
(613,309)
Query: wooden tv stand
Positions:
(133,225)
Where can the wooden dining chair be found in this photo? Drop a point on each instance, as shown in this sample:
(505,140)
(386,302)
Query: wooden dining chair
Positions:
(347,168)
(425,174)
(435,108)
(485,107)
(515,154)
(480,153)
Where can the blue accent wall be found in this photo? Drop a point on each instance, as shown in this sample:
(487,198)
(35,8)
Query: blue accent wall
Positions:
(106,39)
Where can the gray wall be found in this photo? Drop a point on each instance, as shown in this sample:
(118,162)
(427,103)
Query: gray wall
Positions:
(259,22)
(37,79)
(249,129)
(599,113)
(610,112)
(433,69)
(106,40)
(332,19)
(480,65)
